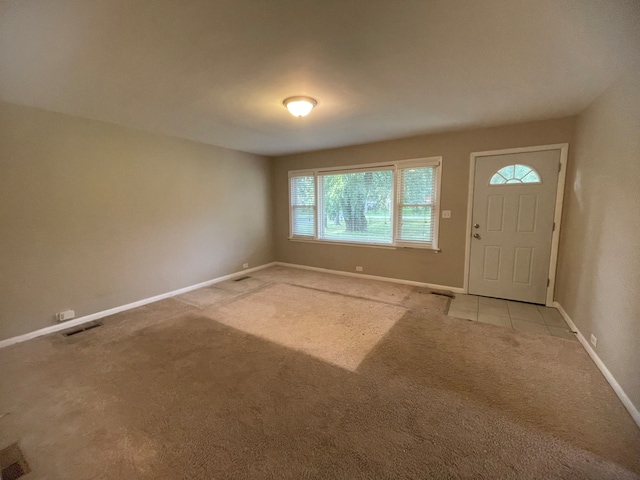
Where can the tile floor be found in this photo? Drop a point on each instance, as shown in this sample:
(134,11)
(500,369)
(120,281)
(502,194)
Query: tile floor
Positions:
(505,313)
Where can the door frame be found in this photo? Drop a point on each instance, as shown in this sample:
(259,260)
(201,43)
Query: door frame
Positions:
(557,218)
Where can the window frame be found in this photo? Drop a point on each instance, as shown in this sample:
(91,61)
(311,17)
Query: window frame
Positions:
(435,162)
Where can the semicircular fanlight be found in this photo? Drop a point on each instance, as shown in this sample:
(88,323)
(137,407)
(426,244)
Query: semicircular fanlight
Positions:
(515,174)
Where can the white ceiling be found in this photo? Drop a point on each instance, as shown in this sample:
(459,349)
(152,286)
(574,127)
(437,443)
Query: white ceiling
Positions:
(217,71)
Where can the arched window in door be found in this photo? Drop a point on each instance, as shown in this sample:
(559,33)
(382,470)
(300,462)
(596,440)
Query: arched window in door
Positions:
(515,174)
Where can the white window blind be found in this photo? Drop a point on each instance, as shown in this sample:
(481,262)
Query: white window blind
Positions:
(356,206)
(303,205)
(417,201)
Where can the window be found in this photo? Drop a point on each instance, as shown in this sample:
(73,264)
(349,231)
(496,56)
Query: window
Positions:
(356,206)
(416,204)
(388,205)
(515,174)
(303,205)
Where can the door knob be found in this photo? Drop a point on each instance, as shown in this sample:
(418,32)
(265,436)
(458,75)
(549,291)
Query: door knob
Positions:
(476,235)
(475,225)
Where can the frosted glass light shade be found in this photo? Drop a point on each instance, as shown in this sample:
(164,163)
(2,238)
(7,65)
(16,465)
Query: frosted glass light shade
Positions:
(299,106)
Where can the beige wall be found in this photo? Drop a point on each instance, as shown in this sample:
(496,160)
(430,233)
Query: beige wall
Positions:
(94,216)
(446,268)
(599,264)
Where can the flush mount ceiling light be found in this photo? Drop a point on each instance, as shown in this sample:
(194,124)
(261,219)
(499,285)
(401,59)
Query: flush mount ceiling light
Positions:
(299,106)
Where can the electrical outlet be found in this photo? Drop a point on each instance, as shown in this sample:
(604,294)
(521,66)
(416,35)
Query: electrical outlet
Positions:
(66,315)
(446,213)
(245,265)
(594,340)
(358,269)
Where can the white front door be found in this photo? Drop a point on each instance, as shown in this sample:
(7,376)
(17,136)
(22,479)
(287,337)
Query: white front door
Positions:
(512,225)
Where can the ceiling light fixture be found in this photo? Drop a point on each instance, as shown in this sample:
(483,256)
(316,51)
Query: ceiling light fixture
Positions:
(299,106)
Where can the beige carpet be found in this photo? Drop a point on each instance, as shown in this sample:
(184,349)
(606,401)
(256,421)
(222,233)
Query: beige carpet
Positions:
(335,328)
(297,374)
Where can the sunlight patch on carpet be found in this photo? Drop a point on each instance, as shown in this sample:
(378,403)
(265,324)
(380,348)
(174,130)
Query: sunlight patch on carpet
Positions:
(335,328)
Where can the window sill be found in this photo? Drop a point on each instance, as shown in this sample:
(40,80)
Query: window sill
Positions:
(368,245)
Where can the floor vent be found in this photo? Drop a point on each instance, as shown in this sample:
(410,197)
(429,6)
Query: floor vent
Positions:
(241,279)
(81,329)
(13,463)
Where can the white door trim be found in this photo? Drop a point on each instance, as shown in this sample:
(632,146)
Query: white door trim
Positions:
(555,240)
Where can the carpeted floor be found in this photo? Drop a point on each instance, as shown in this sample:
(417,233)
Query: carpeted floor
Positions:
(303,375)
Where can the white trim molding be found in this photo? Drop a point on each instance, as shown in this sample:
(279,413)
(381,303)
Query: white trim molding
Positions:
(373,277)
(555,239)
(112,311)
(626,401)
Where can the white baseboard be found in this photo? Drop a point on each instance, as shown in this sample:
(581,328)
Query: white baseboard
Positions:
(105,313)
(633,411)
(373,277)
